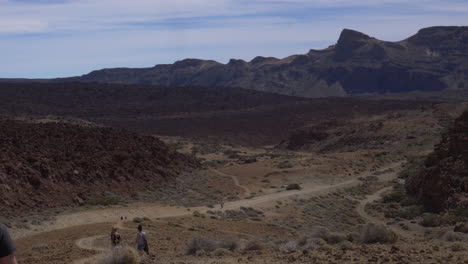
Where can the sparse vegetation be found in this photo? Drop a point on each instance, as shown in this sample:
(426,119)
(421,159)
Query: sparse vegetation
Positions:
(430,220)
(413,166)
(371,234)
(108,198)
(293,186)
(125,255)
(451,236)
(394,197)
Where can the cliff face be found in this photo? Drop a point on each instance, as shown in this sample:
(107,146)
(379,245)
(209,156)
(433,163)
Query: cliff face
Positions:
(443,183)
(435,58)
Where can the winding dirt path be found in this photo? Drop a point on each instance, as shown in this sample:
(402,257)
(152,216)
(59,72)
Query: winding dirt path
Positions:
(159,211)
(246,189)
(361,210)
(88,243)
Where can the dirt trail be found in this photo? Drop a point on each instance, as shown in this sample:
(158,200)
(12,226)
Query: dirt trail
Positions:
(361,210)
(247,191)
(88,243)
(156,210)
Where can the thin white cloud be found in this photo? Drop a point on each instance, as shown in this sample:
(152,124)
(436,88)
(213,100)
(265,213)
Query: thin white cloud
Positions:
(76,36)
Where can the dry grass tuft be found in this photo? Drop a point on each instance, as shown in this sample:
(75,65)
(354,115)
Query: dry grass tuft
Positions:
(124,255)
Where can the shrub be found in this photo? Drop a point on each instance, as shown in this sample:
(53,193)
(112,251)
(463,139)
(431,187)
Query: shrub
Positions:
(371,233)
(220,252)
(451,236)
(409,201)
(303,244)
(201,244)
(413,167)
(253,245)
(394,197)
(285,165)
(456,247)
(346,245)
(406,213)
(125,255)
(326,235)
(137,220)
(293,186)
(107,199)
(462,228)
(230,243)
(430,220)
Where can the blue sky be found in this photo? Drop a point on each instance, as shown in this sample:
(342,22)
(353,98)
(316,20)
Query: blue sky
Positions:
(58,38)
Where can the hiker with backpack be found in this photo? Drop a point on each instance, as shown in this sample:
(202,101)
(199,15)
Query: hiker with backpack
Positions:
(141,241)
(115,237)
(7,247)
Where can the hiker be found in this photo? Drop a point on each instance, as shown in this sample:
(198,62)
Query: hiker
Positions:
(222,203)
(7,247)
(115,237)
(141,241)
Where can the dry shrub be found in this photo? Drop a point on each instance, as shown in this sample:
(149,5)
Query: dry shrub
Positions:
(371,233)
(303,244)
(204,245)
(451,236)
(220,252)
(456,247)
(346,245)
(124,255)
(230,243)
(201,244)
(326,235)
(253,245)
(316,238)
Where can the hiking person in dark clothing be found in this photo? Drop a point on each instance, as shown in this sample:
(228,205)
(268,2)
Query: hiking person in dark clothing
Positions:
(115,237)
(7,247)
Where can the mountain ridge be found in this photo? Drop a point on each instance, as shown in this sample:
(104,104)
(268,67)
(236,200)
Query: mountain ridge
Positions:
(433,59)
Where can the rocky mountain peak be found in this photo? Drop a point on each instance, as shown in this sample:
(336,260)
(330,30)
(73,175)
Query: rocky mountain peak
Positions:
(349,41)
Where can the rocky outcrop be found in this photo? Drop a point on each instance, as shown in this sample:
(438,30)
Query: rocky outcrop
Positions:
(56,164)
(443,183)
(431,60)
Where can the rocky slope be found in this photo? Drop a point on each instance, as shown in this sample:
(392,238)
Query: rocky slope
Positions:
(434,59)
(57,164)
(443,183)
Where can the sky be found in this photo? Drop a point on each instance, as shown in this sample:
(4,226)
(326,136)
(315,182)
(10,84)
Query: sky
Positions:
(59,38)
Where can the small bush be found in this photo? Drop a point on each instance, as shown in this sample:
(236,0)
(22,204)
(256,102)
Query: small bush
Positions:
(430,220)
(462,228)
(456,247)
(137,220)
(394,197)
(371,233)
(409,201)
(230,243)
(253,245)
(220,252)
(413,167)
(125,255)
(105,200)
(346,245)
(293,186)
(326,235)
(285,165)
(451,236)
(405,213)
(302,245)
(201,244)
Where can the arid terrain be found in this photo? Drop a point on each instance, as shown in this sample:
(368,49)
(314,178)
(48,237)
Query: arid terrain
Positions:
(273,179)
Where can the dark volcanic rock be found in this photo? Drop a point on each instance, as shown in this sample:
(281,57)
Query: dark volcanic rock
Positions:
(444,181)
(434,59)
(56,164)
